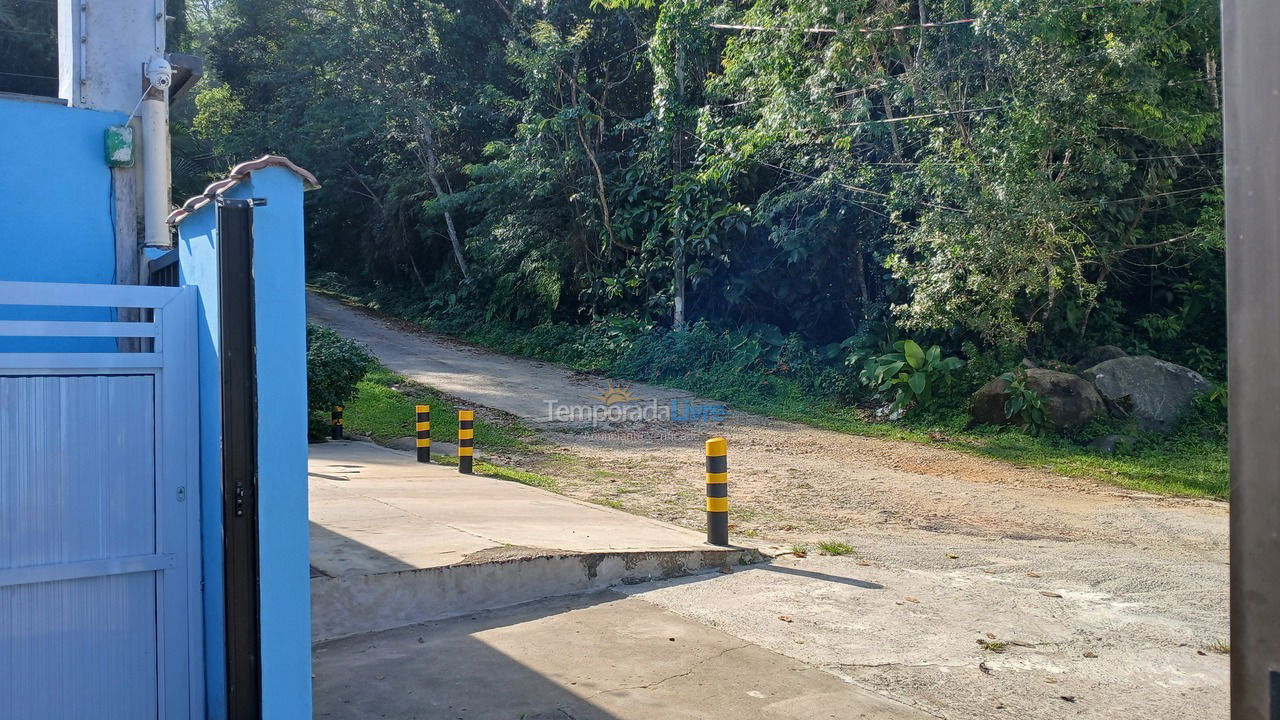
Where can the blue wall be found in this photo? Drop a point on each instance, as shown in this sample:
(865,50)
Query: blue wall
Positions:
(56,225)
(198,266)
(55,210)
(284,561)
(283,531)
(55,194)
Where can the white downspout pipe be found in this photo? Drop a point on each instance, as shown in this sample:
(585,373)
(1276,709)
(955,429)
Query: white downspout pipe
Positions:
(155,155)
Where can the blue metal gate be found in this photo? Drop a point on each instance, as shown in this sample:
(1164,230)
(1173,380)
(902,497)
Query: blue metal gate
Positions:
(99,518)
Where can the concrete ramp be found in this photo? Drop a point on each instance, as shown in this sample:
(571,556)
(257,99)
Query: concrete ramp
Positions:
(396,542)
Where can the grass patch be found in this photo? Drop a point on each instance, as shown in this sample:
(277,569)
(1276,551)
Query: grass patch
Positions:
(503,473)
(1182,464)
(384,409)
(832,547)
(800,550)
(1220,646)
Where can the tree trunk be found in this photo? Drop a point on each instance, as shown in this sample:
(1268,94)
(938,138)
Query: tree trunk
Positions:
(429,144)
(677,318)
(677,227)
(924,20)
(677,167)
(860,271)
(1211,72)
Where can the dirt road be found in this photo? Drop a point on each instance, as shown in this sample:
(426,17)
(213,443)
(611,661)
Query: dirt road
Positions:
(956,547)
(515,386)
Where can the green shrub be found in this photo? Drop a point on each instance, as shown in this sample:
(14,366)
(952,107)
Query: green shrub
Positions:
(983,364)
(334,366)
(911,374)
(1208,416)
(1024,403)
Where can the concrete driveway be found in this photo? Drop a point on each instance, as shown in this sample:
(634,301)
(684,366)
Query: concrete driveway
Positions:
(594,657)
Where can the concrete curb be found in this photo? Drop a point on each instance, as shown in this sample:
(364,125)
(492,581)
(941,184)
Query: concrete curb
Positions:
(344,606)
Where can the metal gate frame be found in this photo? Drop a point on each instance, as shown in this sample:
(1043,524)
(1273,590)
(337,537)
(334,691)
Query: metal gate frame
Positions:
(169,342)
(239,386)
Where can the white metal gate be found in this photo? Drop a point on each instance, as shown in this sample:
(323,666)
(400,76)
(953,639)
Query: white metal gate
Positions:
(99,504)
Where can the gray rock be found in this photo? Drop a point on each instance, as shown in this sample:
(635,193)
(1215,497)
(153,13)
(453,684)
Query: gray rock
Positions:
(1069,401)
(1153,392)
(1109,443)
(1101,353)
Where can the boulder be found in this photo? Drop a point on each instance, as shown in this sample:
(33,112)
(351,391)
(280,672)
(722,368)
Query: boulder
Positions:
(1153,392)
(1101,353)
(1069,401)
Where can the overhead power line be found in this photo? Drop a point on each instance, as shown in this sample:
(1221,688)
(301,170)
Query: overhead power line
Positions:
(1140,158)
(41,33)
(832,31)
(893,28)
(1148,197)
(27,75)
(921,116)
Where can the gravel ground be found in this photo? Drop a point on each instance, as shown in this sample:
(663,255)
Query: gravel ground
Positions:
(795,483)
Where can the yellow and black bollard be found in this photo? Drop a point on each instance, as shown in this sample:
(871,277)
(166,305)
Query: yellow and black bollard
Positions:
(717,492)
(424,433)
(335,432)
(466,439)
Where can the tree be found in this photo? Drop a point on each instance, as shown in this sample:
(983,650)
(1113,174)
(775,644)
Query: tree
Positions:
(1010,172)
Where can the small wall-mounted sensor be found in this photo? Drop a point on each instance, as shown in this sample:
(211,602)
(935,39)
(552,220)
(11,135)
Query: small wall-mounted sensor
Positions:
(120,146)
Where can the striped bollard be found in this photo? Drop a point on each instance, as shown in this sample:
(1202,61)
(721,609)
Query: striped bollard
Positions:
(466,439)
(424,433)
(335,432)
(717,492)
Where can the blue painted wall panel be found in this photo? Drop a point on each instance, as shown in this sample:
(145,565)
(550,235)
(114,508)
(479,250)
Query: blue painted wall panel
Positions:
(283,533)
(55,211)
(198,267)
(282,436)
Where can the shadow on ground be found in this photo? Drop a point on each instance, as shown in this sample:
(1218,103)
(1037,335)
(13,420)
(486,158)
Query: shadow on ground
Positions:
(444,669)
(598,657)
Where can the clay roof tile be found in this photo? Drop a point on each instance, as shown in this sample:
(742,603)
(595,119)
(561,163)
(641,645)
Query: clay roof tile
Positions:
(239,174)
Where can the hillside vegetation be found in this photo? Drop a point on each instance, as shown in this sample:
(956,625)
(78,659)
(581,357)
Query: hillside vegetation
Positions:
(754,192)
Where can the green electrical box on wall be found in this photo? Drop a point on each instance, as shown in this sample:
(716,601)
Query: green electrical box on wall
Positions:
(120,146)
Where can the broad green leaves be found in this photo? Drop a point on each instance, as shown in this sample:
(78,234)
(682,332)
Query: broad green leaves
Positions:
(914,355)
(911,375)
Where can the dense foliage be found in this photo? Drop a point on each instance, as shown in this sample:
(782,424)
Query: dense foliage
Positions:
(335,366)
(29,43)
(28,47)
(1005,176)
